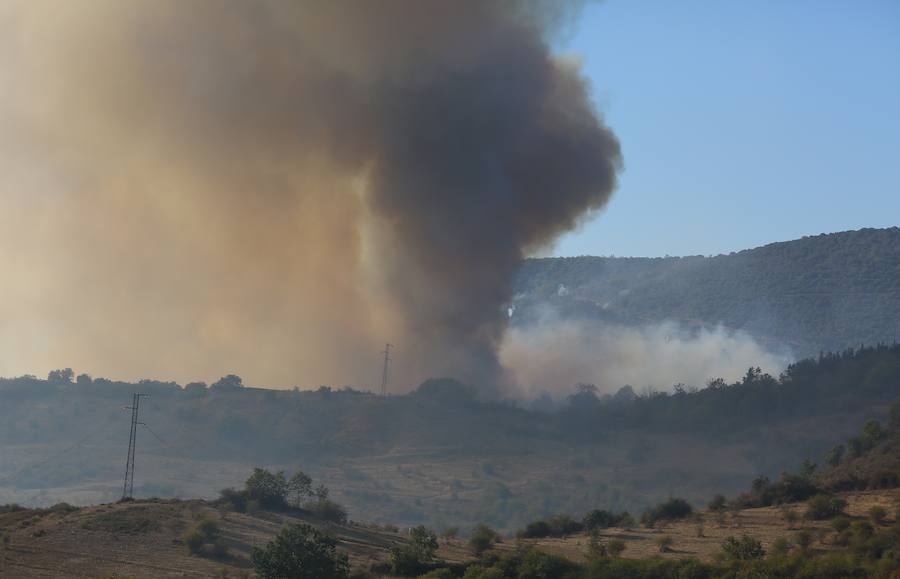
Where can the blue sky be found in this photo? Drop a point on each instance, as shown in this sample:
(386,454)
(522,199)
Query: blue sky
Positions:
(742,123)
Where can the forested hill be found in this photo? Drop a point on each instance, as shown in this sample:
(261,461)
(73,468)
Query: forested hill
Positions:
(820,293)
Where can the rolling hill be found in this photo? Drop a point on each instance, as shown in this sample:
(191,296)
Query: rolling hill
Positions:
(821,293)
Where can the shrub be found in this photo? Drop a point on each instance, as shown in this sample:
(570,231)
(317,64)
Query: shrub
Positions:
(600,519)
(535,530)
(482,539)
(615,547)
(450,533)
(746,548)
(781,546)
(558,526)
(790,516)
(803,539)
(862,529)
(718,503)
(327,510)
(823,506)
(204,531)
(539,565)
(234,499)
(878,514)
(672,509)
(840,524)
(442,573)
(300,552)
(405,562)
(665,543)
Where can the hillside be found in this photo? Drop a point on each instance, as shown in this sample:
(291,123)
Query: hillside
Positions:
(439,455)
(145,538)
(821,293)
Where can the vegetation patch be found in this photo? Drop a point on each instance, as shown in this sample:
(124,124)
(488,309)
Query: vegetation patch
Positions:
(131,521)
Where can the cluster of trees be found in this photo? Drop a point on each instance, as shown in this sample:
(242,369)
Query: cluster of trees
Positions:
(562,525)
(851,380)
(869,460)
(670,510)
(274,491)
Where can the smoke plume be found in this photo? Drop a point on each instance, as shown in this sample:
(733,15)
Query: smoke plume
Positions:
(277,187)
(553,354)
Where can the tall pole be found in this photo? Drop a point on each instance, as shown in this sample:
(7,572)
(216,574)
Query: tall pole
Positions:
(128,485)
(384,373)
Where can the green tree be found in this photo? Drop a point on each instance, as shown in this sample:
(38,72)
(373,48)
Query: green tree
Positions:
(835,455)
(299,488)
(269,489)
(300,552)
(230,382)
(894,416)
(414,557)
(64,376)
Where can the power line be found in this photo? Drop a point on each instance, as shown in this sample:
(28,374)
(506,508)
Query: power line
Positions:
(128,485)
(384,372)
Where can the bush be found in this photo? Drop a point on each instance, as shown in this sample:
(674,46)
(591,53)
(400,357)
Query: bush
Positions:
(327,510)
(539,565)
(438,574)
(746,548)
(194,540)
(665,544)
(718,503)
(823,506)
(878,514)
(600,519)
(615,547)
(840,524)
(781,546)
(803,539)
(405,562)
(482,539)
(450,533)
(535,530)
(204,532)
(300,552)
(671,510)
(558,526)
(233,499)
(790,516)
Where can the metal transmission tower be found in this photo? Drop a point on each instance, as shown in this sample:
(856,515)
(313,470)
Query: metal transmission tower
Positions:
(128,486)
(387,363)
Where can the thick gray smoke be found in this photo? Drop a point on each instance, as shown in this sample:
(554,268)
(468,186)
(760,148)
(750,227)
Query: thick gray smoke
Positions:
(276,187)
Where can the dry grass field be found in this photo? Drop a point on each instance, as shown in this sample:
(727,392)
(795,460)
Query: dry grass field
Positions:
(702,536)
(143,538)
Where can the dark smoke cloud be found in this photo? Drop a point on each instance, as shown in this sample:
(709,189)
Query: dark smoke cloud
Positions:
(276,187)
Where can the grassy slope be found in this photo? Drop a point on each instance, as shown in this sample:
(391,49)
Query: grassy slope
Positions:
(143,538)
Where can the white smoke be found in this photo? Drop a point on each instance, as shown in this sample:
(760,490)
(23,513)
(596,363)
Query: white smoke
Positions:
(554,354)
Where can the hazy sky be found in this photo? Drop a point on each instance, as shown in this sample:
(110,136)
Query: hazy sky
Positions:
(743,123)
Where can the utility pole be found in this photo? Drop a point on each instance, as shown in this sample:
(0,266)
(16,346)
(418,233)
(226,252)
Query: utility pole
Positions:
(128,486)
(384,373)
